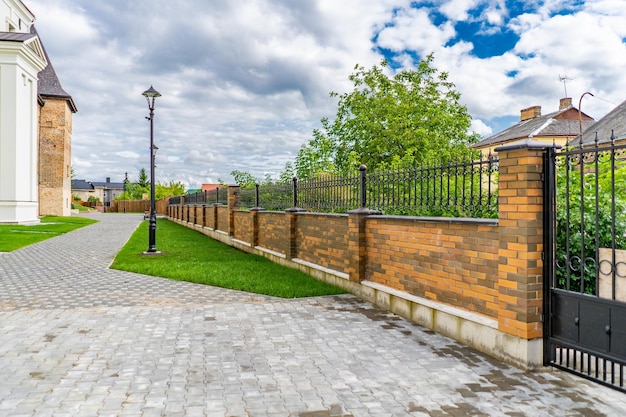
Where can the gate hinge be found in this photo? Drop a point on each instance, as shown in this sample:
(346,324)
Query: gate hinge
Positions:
(543,177)
(543,256)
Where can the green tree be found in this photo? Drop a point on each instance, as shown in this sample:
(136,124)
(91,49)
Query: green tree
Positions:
(133,192)
(244,179)
(170,189)
(411,117)
(143,180)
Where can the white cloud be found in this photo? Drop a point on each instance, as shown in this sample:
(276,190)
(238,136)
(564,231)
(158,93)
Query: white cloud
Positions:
(457,10)
(413,30)
(478,126)
(244,82)
(127,154)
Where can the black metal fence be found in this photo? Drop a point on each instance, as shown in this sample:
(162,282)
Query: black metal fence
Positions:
(452,189)
(590,188)
(585,268)
(217,196)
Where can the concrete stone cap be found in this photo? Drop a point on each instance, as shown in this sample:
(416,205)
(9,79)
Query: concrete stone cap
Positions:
(526,144)
(365,211)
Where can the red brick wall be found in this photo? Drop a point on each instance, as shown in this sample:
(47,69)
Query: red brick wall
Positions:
(199,218)
(243,226)
(209,216)
(452,263)
(55,154)
(491,267)
(275,233)
(321,239)
(223,214)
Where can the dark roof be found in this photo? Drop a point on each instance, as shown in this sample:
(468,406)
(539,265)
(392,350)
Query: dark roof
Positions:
(613,123)
(550,124)
(48,84)
(81,185)
(16,36)
(109,185)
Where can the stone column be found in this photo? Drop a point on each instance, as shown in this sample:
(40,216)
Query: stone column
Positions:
(520,269)
(291,217)
(357,242)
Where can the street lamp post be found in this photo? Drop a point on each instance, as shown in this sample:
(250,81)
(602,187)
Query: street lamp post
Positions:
(125,190)
(151,94)
(580,115)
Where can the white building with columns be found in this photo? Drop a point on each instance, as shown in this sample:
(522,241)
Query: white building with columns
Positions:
(21,59)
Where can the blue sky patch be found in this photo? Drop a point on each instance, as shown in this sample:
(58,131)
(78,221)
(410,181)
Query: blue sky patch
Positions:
(485,45)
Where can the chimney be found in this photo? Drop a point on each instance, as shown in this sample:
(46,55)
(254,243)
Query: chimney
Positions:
(530,113)
(565,103)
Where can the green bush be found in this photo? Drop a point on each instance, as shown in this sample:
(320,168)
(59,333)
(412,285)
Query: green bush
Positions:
(585,217)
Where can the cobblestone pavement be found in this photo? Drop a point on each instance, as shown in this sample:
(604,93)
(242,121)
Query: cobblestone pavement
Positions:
(79,339)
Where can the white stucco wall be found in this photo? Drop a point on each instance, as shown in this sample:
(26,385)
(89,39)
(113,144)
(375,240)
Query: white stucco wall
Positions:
(15,16)
(20,62)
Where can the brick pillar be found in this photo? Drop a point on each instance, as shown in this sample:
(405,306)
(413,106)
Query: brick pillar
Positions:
(291,216)
(254,212)
(357,242)
(233,204)
(199,215)
(520,269)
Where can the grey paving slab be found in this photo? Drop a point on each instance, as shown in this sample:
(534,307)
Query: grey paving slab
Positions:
(79,339)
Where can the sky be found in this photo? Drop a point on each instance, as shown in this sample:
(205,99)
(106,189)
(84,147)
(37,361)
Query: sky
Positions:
(245,82)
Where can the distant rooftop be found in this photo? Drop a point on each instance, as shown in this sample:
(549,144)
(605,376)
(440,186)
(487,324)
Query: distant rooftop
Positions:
(562,123)
(614,123)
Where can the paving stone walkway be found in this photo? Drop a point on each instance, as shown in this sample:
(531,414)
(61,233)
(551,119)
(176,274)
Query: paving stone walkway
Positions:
(79,339)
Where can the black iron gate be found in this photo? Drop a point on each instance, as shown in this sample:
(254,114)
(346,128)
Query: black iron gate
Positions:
(585,262)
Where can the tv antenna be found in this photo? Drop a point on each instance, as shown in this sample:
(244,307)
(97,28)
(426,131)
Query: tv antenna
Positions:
(564,79)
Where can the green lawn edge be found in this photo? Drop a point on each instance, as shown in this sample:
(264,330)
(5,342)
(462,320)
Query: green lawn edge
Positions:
(187,255)
(13,237)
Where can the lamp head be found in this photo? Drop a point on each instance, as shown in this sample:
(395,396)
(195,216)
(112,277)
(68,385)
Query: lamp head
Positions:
(151,92)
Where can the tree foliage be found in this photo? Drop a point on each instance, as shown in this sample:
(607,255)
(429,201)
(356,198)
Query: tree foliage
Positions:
(411,117)
(585,218)
(143,180)
(244,179)
(170,189)
(137,190)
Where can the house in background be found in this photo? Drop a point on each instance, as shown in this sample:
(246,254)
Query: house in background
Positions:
(105,192)
(83,190)
(35,124)
(109,190)
(557,127)
(209,187)
(613,124)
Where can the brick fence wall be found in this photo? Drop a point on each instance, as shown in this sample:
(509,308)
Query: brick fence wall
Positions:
(478,281)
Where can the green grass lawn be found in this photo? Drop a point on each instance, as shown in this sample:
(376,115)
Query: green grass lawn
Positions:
(13,237)
(188,255)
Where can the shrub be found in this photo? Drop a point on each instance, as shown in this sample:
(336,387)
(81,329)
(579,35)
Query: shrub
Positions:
(585,218)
